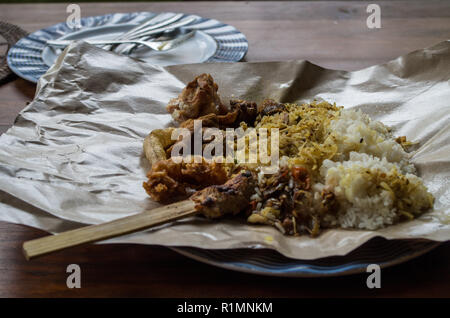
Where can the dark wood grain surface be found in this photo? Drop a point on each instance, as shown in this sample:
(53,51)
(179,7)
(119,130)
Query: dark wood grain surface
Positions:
(331,34)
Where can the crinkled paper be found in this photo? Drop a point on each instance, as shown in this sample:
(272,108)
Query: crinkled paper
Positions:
(74,155)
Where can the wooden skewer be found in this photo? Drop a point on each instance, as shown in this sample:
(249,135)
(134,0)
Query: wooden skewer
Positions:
(94,233)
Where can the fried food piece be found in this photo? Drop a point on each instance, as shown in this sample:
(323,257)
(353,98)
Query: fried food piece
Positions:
(241,111)
(229,198)
(246,111)
(269,107)
(197,99)
(169,180)
(212,120)
(156,143)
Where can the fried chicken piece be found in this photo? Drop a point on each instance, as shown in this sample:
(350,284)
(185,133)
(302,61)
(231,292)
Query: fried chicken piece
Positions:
(169,180)
(230,198)
(197,99)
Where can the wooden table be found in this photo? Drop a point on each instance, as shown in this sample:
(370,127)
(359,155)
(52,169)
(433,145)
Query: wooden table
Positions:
(331,34)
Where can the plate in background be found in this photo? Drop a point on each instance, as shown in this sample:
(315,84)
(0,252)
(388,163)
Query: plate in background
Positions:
(214,41)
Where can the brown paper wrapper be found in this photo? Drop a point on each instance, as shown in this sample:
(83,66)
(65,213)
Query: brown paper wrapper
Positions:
(74,155)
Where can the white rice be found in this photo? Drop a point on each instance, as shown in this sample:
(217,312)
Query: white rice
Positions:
(376,152)
(354,131)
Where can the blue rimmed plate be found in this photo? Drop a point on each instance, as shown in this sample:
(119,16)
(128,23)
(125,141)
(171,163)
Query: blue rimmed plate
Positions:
(378,251)
(214,41)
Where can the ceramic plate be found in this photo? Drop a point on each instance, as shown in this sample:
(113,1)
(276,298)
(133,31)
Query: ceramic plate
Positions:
(213,41)
(378,251)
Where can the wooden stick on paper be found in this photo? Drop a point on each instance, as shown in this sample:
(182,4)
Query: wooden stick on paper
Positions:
(93,233)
